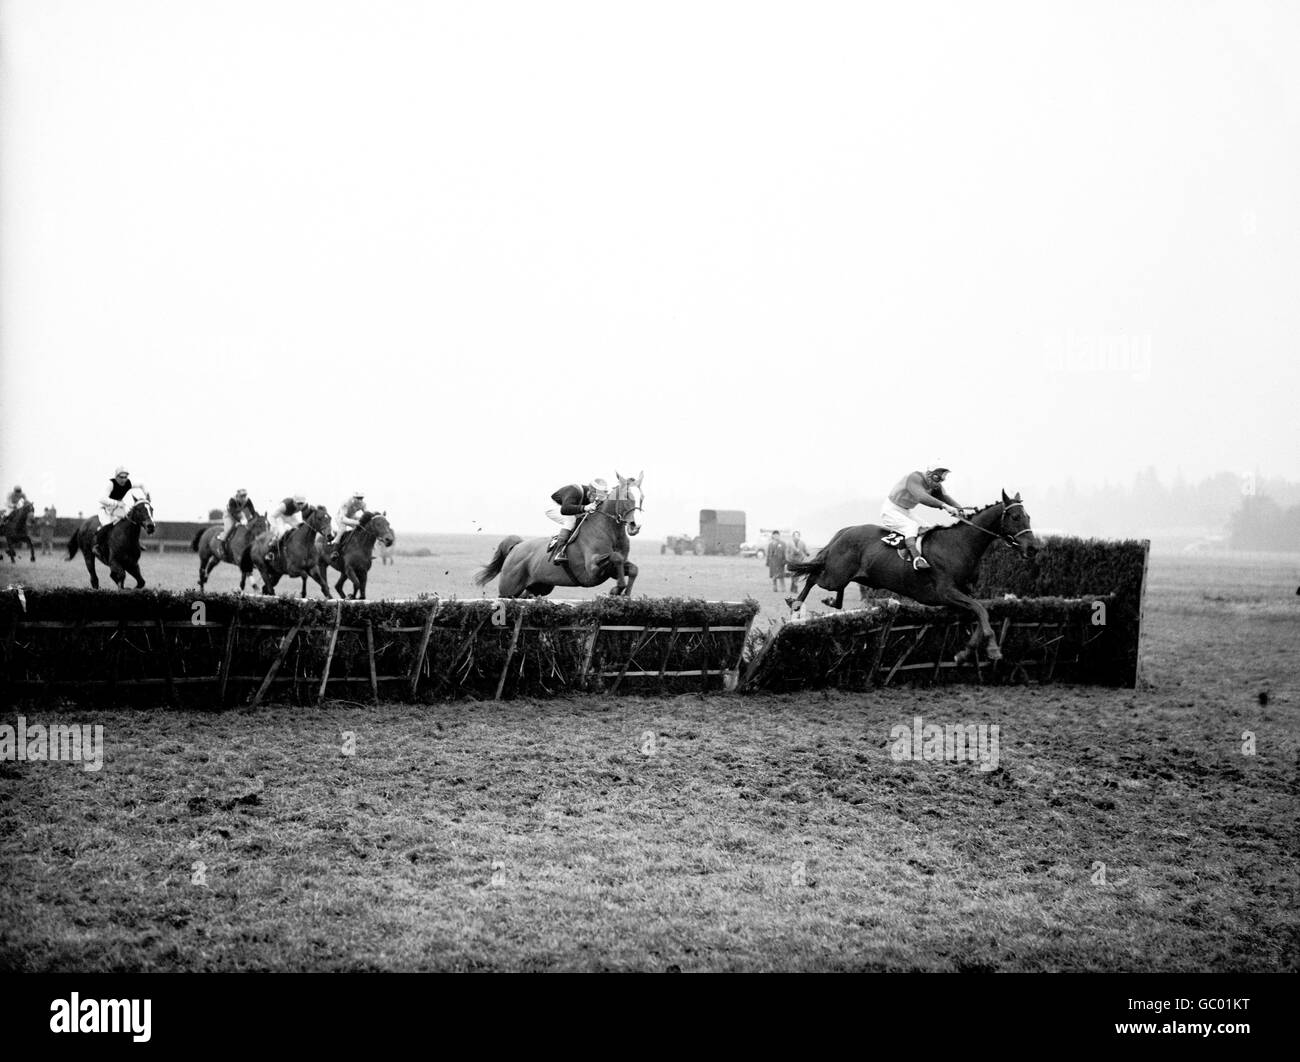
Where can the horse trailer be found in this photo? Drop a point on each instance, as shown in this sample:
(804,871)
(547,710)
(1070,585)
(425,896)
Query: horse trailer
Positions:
(721,532)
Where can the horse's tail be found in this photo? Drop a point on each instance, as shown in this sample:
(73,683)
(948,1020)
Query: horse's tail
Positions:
(72,544)
(498,561)
(811,567)
(194,543)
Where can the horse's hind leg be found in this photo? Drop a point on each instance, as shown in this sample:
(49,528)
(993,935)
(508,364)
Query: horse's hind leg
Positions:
(834,602)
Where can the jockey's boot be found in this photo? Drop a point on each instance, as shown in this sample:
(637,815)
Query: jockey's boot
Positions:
(561,543)
(919,563)
(101,537)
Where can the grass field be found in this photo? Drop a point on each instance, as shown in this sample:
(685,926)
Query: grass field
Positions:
(702,833)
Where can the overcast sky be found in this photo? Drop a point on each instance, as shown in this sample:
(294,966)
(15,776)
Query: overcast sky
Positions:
(771,254)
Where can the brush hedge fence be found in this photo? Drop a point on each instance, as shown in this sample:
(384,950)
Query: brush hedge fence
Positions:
(1071,614)
(155,646)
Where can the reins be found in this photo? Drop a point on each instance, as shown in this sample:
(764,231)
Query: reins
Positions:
(1009,539)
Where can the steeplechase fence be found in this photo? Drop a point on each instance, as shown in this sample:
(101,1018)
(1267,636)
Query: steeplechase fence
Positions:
(1072,614)
(189,648)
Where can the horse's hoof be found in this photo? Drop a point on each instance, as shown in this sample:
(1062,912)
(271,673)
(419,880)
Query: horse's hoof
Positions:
(994,653)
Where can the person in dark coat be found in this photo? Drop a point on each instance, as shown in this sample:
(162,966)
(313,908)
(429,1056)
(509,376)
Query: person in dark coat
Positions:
(776,561)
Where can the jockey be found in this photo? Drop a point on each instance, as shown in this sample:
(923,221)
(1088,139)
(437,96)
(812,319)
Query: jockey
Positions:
(284,517)
(916,488)
(15,499)
(238,510)
(349,515)
(572,501)
(111,509)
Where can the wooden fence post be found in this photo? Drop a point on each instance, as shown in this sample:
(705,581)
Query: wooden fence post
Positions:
(641,639)
(920,635)
(232,626)
(882,640)
(370,653)
(275,664)
(329,652)
(510,653)
(167,660)
(418,666)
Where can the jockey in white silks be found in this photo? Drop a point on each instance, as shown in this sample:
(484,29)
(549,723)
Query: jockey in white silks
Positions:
(349,515)
(916,488)
(12,502)
(111,509)
(286,516)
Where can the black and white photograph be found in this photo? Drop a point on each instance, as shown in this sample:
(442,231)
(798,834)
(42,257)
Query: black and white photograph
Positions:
(702,488)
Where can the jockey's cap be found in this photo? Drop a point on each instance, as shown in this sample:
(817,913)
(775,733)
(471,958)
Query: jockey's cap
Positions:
(17,488)
(937,468)
(600,484)
(121,471)
(241,492)
(300,499)
(358,494)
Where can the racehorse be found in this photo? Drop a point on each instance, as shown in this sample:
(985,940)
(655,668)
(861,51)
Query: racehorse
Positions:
(353,557)
(597,551)
(857,555)
(297,554)
(237,549)
(14,531)
(121,551)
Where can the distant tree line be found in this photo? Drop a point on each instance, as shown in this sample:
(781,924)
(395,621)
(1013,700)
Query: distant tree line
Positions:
(1249,509)
(1261,523)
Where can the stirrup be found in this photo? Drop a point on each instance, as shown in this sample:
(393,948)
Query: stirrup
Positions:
(919,564)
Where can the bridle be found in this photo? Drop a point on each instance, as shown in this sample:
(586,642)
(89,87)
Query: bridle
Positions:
(306,521)
(624,516)
(1000,534)
(130,515)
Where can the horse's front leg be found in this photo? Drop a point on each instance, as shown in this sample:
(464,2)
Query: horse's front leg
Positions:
(632,571)
(983,631)
(620,574)
(359,582)
(319,577)
(134,571)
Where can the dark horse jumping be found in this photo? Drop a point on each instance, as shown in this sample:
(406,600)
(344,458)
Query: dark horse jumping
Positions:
(857,555)
(14,531)
(353,554)
(121,549)
(297,554)
(237,549)
(597,551)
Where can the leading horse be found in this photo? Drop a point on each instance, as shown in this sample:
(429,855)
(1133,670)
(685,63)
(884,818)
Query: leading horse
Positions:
(597,551)
(298,552)
(121,549)
(236,549)
(857,555)
(14,531)
(353,556)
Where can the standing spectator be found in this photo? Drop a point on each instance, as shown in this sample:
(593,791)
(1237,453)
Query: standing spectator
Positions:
(795,553)
(47,529)
(776,561)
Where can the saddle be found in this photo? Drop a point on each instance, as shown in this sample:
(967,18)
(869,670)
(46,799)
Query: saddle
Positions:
(898,541)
